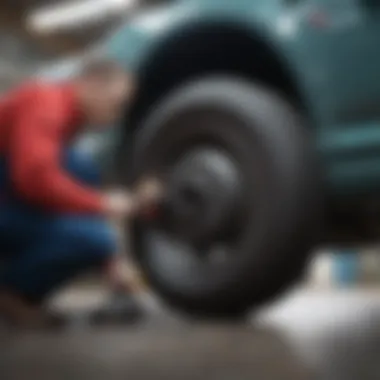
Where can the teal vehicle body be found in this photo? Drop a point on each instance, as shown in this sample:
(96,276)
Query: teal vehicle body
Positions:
(323,55)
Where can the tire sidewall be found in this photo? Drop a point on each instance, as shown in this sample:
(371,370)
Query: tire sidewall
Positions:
(284,141)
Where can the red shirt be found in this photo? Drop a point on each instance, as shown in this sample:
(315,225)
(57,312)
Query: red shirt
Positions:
(36,122)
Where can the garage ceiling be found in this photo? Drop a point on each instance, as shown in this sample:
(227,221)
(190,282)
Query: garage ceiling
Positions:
(13,18)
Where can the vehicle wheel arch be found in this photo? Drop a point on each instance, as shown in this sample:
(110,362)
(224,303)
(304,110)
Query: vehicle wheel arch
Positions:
(207,48)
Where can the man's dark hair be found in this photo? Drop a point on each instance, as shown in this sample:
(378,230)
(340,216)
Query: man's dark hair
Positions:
(103,68)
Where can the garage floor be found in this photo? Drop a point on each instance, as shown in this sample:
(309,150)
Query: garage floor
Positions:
(308,335)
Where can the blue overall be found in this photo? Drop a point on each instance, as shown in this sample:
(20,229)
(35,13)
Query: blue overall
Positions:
(41,251)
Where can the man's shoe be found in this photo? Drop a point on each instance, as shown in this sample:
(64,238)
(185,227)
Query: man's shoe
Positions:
(120,309)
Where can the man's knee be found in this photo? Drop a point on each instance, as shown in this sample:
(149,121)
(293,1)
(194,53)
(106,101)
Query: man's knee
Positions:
(92,238)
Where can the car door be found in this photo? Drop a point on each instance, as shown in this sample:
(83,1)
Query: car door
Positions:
(355,71)
(343,47)
(344,51)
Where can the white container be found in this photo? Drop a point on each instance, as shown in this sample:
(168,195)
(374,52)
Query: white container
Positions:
(320,272)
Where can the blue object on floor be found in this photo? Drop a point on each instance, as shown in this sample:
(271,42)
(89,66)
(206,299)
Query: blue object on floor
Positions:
(346,268)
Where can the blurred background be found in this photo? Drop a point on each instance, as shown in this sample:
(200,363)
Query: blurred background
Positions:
(47,36)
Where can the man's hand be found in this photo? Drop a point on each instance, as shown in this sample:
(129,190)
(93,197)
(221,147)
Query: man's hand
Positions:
(148,192)
(120,204)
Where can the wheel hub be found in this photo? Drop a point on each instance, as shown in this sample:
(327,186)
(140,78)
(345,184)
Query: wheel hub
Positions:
(204,186)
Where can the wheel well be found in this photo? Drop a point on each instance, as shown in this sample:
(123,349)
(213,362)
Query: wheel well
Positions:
(217,49)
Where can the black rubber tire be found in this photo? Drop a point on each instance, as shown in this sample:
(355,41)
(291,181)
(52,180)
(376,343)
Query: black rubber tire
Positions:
(272,140)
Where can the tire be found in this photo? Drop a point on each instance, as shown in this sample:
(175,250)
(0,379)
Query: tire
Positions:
(281,195)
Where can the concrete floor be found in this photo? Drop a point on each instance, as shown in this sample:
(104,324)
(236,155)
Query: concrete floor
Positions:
(308,335)
(336,332)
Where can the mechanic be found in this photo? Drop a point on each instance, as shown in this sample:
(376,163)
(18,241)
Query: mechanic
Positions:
(53,214)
